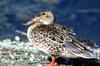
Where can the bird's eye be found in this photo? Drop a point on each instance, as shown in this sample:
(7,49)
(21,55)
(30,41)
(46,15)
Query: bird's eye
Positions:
(43,13)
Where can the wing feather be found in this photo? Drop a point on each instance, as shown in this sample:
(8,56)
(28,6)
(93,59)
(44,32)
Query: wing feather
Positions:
(65,38)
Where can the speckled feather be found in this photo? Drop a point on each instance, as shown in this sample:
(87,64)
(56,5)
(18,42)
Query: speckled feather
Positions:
(58,40)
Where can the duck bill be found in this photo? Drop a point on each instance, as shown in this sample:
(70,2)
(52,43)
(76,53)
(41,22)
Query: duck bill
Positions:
(33,21)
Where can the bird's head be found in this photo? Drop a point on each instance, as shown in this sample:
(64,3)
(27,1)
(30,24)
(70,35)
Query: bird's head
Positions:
(45,18)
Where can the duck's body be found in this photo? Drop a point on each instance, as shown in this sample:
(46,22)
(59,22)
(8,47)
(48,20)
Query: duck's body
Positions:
(56,40)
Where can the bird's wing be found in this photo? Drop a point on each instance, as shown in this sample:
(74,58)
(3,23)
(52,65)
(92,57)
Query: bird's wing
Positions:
(72,44)
(64,38)
(87,43)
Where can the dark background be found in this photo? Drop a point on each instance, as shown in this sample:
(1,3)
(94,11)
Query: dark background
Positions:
(83,16)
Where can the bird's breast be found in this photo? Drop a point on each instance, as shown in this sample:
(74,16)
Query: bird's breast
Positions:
(39,37)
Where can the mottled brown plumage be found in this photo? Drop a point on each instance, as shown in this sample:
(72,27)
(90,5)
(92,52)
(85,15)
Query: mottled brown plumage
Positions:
(56,40)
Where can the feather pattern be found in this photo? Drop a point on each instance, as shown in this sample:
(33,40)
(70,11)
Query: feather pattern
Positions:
(58,40)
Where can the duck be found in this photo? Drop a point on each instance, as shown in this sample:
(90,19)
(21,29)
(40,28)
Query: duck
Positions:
(56,40)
